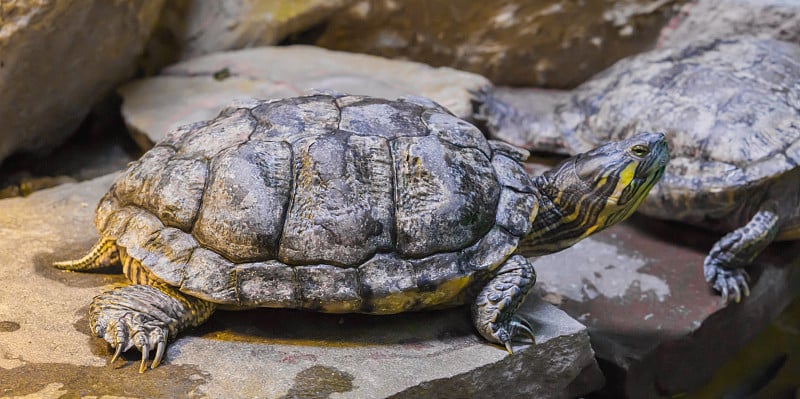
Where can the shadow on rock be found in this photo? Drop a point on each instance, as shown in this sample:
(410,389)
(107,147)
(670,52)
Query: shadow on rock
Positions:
(43,266)
(295,327)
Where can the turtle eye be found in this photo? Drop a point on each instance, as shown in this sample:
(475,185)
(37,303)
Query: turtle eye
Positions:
(640,150)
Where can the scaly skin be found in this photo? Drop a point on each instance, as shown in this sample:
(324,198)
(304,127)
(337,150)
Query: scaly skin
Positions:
(494,311)
(723,268)
(145,317)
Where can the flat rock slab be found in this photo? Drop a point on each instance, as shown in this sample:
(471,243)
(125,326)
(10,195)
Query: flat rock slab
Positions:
(46,350)
(657,328)
(199,88)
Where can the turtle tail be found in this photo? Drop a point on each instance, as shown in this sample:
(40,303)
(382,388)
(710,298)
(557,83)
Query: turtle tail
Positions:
(103,254)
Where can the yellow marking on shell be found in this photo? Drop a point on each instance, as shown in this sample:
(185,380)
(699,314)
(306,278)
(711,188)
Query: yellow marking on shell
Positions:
(395,302)
(446,294)
(235,336)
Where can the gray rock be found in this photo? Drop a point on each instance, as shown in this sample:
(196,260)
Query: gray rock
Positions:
(57,58)
(707,19)
(553,43)
(654,323)
(198,89)
(190,28)
(46,349)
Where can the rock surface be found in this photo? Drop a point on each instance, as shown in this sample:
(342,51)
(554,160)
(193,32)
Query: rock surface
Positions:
(198,89)
(520,42)
(190,28)
(775,19)
(657,329)
(57,58)
(46,350)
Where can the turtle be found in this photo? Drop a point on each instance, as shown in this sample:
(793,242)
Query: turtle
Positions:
(730,111)
(343,204)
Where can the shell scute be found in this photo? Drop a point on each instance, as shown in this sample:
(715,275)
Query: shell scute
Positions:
(210,276)
(341,210)
(268,284)
(329,288)
(445,198)
(384,118)
(515,211)
(169,252)
(220,134)
(296,118)
(245,202)
(456,131)
(386,282)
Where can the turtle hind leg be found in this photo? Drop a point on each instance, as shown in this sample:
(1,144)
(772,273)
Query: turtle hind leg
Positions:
(103,254)
(145,317)
(494,312)
(724,266)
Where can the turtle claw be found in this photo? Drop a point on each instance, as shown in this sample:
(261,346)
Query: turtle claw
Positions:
(732,284)
(505,334)
(524,326)
(145,356)
(159,354)
(116,356)
(133,330)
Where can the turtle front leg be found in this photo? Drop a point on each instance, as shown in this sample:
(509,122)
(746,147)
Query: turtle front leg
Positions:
(145,317)
(724,266)
(494,311)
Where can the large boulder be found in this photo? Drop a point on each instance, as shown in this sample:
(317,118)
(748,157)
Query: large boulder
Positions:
(197,89)
(57,58)
(191,28)
(774,19)
(554,43)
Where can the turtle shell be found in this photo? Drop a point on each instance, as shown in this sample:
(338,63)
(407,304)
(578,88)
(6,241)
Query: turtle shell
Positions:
(730,110)
(333,203)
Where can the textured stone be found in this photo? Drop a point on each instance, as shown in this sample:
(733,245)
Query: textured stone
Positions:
(554,43)
(190,28)
(57,58)
(775,19)
(639,288)
(189,91)
(46,349)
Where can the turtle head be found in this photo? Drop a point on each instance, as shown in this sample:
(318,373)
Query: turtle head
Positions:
(586,193)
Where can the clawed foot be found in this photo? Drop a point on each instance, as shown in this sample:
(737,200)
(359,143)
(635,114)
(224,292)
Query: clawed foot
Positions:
(126,329)
(727,281)
(504,333)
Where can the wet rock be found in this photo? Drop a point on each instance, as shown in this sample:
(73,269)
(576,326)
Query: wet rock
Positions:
(657,328)
(46,349)
(198,89)
(707,19)
(553,43)
(190,28)
(57,58)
